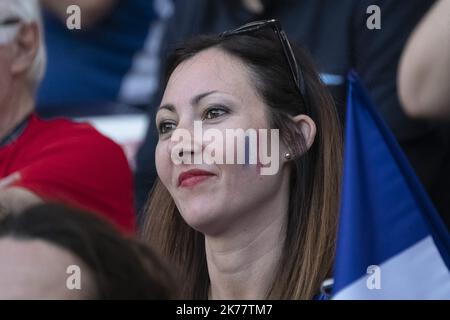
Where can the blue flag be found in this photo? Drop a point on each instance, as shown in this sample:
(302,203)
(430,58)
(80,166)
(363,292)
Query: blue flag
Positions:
(391,242)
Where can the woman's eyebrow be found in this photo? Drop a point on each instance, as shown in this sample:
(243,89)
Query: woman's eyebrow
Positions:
(167,106)
(194,101)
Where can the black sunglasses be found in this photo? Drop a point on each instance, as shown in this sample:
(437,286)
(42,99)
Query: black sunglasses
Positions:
(297,74)
(10,22)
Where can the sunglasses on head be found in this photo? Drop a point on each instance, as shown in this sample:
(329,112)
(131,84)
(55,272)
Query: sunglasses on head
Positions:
(296,72)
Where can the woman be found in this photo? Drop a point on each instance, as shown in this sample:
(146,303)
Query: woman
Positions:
(230,231)
(53,252)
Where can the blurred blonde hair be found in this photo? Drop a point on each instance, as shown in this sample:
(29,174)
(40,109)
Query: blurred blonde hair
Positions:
(27,11)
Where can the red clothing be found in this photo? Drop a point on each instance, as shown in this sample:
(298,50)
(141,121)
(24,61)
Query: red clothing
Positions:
(60,160)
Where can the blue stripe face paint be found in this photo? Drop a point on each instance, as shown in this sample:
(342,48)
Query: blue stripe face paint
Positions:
(247,151)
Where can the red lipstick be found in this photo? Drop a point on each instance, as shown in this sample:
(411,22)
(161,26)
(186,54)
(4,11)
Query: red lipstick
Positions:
(193,177)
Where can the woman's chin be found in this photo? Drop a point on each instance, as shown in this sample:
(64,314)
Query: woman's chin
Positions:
(203,219)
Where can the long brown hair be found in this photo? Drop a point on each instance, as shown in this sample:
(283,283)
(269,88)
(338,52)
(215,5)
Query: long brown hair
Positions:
(308,252)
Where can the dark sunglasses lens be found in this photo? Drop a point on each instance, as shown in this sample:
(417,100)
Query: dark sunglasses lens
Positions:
(10,21)
(249,27)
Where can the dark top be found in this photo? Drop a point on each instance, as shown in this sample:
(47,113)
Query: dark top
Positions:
(94,66)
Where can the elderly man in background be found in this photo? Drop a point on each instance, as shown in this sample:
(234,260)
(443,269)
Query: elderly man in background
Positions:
(57,160)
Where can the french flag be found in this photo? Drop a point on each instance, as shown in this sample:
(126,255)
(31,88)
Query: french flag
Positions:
(391,242)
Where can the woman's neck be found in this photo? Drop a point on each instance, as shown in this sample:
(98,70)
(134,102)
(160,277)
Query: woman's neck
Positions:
(242,263)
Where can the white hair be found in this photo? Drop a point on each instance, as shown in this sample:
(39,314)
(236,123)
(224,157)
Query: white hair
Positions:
(27,11)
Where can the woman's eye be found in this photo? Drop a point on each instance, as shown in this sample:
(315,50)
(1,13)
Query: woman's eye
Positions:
(213,113)
(166,126)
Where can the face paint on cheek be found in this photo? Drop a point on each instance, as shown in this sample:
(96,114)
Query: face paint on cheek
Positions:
(258,162)
(267,150)
(247,152)
(248,163)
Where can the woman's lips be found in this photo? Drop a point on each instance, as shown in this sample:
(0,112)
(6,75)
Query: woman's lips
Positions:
(193,177)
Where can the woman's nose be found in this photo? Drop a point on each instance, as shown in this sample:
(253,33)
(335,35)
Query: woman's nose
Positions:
(185,147)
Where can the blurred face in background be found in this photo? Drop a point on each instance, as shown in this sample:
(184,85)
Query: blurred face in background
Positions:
(34,269)
(20,48)
(230,194)
(7,31)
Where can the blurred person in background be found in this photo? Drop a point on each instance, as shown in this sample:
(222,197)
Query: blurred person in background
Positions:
(55,160)
(424,72)
(105,67)
(337,36)
(53,252)
(424,88)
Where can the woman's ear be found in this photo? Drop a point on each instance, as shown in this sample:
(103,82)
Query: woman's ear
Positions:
(26,47)
(307,127)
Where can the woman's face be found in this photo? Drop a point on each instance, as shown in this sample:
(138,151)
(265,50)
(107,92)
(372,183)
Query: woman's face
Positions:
(215,88)
(34,269)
